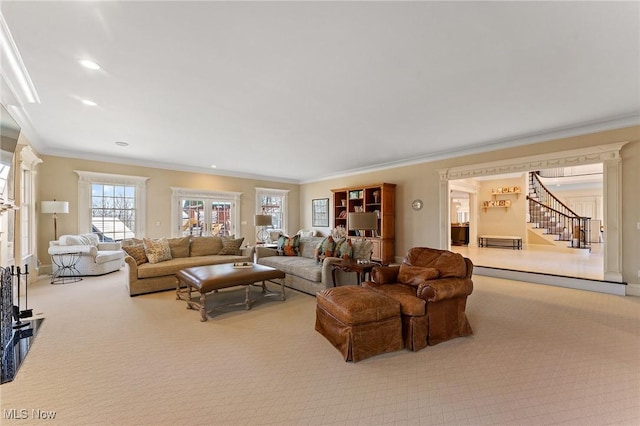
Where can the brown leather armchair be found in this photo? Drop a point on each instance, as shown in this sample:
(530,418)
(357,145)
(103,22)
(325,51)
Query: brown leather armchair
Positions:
(432,287)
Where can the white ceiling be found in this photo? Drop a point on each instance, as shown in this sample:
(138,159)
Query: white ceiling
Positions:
(299,91)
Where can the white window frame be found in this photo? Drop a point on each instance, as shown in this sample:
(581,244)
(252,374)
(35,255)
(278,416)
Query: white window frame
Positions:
(178,194)
(28,161)
(86,179)
(284,193)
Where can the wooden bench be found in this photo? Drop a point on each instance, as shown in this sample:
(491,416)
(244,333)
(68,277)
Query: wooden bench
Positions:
(500,241)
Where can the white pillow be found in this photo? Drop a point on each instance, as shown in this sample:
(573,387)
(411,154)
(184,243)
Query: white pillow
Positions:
(78,240)
(307,233)
(69,240)
(89,239)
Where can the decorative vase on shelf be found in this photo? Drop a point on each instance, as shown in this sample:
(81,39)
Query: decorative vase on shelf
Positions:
(376,197)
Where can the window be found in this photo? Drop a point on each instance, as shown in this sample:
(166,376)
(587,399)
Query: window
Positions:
(205,213)
(207,216)
(26,214)
(4,177)
(111,206)
(273,202)
(113,211)
(26,198)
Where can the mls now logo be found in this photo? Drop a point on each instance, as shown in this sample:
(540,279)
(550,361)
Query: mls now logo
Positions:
(23,414)
(15,414)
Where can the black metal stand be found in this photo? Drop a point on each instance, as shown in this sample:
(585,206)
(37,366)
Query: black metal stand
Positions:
(26,312)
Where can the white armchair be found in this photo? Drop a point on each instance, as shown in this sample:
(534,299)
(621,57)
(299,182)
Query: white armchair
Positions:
(308,233)
(96,258)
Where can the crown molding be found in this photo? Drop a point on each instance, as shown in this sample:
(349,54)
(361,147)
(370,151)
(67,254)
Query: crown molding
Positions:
(16,82)
(575,157)
(28,158)
(495,145)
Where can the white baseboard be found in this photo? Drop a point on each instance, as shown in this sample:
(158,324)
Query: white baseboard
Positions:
(633,289)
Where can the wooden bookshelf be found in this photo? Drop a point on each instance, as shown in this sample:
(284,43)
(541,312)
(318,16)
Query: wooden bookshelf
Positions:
(379,198)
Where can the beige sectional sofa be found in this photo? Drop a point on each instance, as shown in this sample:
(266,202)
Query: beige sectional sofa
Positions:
(186,252)
(303,272)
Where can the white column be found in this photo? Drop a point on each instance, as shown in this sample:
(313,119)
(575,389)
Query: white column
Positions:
(612,184)
(444,219)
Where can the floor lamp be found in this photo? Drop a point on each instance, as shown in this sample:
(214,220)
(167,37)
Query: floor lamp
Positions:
(54,207)
(263,220)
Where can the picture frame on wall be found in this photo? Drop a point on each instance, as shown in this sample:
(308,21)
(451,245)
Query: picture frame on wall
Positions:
(320,212)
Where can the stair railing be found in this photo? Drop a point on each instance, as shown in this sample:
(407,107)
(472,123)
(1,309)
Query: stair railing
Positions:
(549,212)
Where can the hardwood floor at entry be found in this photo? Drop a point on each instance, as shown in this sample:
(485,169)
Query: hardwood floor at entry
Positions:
(579,264)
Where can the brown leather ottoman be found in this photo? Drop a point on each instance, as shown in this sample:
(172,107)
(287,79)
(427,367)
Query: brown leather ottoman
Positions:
(359,322)
(211,278)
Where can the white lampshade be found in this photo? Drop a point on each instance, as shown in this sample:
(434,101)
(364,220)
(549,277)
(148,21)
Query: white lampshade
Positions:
(54,206)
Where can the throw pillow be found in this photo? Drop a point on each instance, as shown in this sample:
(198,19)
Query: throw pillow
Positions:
(179,247)
(325,249)
(288,246)
(362,249)
(415,275)
(231,246)
(137,252)
(157,250)
(79,240)
(306,233)
(205,246)
(344,249)
(89,239)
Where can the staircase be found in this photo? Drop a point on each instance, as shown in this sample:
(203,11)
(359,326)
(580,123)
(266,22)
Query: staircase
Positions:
(552,220)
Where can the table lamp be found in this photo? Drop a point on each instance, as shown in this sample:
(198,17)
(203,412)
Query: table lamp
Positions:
(367,221)
(263,220)
(363,222)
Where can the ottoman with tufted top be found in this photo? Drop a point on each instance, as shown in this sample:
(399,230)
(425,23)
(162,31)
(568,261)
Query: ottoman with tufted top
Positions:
(359,322)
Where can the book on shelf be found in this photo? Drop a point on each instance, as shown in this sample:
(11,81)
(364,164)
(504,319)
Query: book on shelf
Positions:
(242,265)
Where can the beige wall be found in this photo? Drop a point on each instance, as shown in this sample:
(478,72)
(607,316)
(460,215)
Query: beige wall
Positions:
(58,180)
(418,228)
(509,221)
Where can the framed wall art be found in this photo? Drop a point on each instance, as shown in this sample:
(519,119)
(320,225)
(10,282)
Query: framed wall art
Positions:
(320,212)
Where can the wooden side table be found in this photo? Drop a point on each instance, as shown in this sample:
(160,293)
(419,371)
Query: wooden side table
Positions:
(351,266)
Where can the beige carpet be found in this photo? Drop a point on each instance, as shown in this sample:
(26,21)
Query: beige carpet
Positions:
(540,355)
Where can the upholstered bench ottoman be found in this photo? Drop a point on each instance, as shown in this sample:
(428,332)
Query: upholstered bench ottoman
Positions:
(359,322)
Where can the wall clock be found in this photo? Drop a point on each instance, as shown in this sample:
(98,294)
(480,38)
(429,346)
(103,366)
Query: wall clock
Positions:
(417,204)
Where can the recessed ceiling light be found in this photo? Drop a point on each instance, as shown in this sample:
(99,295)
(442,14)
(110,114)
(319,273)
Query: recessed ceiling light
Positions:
(213,166)
(120,143)
(89,64)
(88,102)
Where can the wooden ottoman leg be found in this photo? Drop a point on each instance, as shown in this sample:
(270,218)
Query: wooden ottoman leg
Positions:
(284,297)
(203,307)
(247,297)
